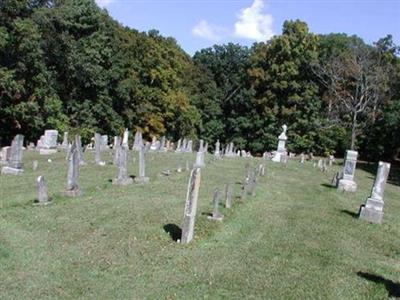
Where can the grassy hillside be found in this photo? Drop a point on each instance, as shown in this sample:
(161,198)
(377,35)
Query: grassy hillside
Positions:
(296,239)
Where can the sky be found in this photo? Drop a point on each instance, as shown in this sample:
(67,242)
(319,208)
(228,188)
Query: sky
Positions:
(197,24)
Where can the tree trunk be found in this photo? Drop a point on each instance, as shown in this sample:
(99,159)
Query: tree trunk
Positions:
(353,132)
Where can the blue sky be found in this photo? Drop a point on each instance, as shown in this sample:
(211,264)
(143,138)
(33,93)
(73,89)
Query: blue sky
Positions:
(197,24)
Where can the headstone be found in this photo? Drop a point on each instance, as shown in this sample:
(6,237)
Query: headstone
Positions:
(261,170)
(200,160)
(97,150)
(217,151)
(138,142)
(35,164)
(191,206)
(228,195)
(320,164)
(302,158)
(14,164)
(42,192)
(142,175)
(161,145)
(216,215)
(189,147)
(281,145)
(347,182)
(179,146)
(49,142)
(5,155)
(125,139)
(122,164)
(104,143)
(372,211)
(64,144)
(331,160)
(73,189)
(78,143)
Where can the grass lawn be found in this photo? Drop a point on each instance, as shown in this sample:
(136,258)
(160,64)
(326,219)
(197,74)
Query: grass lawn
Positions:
(297,238)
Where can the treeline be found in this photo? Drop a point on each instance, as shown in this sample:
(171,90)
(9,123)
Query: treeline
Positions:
(65,64)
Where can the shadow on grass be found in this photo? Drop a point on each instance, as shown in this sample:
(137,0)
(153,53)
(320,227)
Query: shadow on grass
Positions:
(174,231)
(350,213)
(392,287)
(327,185)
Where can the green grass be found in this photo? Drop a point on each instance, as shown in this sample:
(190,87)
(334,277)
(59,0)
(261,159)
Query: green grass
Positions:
(296,239)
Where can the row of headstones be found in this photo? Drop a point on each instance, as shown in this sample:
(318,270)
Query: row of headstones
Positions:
(248,188)
(372,210)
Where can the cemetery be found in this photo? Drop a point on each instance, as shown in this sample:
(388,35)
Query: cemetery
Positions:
(224,149)
(224,225)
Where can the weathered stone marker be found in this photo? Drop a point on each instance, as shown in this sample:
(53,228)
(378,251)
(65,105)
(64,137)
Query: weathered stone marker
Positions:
(73,189)
(217,150)
(122,164)
(78,143)
(347,183)
(261,170)
(14,163)
(192,195)
(228,195)
(216,215)
(97,150)
(142,167)
(42,192)
(49,142)
(281,146)
(64,144)
(372,211)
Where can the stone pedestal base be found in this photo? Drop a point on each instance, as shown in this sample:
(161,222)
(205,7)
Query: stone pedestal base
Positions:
(11,171)
(124,181)
(347,185)
(142,179)
(216,218)
(47,151)
(73,193)
(371,215)
(41,203)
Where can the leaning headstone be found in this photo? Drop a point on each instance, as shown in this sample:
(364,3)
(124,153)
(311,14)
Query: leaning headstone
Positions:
(42,192)
(14,164)
(228,195)
(142,167)
(97,150)
(347,183)
(73,189)
(281,145)
(216,215)
(122,164)
(35,164)
(191,206)
(372,211)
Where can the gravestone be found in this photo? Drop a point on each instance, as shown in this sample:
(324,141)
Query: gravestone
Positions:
(49,142)
(261,170)
(78,143)
(179,146)
(347,183)
(302,158)
(331,160)
(125,139)
(228,195)
(281,151)
(117,145)
(189,147)
(138,142)
(64,144)
(217,151)
(216,215)
(35,164)
(142,167)
(200,160)
(73,189)
(14,163)
(42,192)
(97,150)
(104,143)
(122,164)
(192,195)
(5,155)
(372,211)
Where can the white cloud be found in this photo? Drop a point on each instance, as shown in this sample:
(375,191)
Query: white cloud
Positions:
(104,3)
(207,31)
(253,24)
